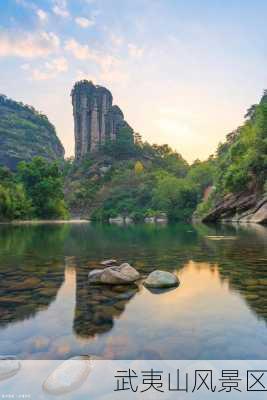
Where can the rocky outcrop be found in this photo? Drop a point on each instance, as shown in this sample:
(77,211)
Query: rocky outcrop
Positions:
(25,133)
(243,208)
(95,118)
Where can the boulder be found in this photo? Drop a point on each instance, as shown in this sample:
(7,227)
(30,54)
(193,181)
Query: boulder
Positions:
(161,279)
(9,366)
(162,218)
(68,376)
(150,220)
(119,220)
(122,275)
(94,275)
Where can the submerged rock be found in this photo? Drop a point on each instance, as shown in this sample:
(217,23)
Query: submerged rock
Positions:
(9,366)
(68,376)
(161,279)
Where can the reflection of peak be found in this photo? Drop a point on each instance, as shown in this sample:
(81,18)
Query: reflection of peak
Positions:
(97,306)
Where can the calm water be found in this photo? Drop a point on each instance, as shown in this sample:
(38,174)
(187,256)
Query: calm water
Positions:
(49,311)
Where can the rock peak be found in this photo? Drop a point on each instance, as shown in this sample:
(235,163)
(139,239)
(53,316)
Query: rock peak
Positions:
(96,119)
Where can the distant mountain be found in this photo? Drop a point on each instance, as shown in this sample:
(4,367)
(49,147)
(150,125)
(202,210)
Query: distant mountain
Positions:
(25,133)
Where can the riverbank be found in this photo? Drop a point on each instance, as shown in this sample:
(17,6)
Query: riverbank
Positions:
(45,221)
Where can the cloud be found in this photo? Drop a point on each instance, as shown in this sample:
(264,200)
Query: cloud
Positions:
(116,40)
(60,8)
(111,69)
(50,70)
(80,75)
(42,15)
(25,67)
(28,45)
(58,65)
(84,22)
(135,51)
(79,51)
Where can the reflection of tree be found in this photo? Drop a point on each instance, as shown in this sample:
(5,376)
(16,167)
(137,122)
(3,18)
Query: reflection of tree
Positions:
(243,263)
(98,305)
(31,270)
(22,296)
(37,241)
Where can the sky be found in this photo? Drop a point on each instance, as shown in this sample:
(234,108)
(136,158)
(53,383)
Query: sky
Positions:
(184,72)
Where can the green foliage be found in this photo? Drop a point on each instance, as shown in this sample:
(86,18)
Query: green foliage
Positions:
(205,206)
(146,181)
(201,174)
(176,196)
(25,133)
(14,202)
(43,184)
(123,147)
(241,162)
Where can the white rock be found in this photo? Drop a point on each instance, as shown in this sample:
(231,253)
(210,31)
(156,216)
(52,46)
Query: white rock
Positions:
(117,220)
(122,275)
(150,220)
(9,366)
(161,279)
(68,376)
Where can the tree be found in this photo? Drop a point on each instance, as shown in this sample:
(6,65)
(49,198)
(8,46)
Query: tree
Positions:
(43,183)
(176,196)
(138,168)
(14,202)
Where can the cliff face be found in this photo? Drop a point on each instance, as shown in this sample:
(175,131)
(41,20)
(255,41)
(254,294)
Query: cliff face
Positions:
(24,134)
(96,120)
(243,207)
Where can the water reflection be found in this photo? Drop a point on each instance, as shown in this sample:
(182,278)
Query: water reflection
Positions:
(48,309)
(98,306)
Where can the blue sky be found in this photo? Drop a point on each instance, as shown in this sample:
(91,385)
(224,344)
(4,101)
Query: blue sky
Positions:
(183,72)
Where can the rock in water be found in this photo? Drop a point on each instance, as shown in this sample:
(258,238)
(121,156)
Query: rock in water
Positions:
(122,275)
(9,366)
(108,263)
(68,376)
(95,275)
(161,279)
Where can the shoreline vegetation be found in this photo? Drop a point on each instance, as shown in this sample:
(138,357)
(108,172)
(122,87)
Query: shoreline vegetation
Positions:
(129,180)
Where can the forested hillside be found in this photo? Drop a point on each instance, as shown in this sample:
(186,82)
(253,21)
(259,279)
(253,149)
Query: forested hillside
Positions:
(136,180)
(131,179)
(240,173)
(25,133)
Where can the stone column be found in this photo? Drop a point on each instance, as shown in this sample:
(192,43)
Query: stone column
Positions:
(84,125)
(95,134)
